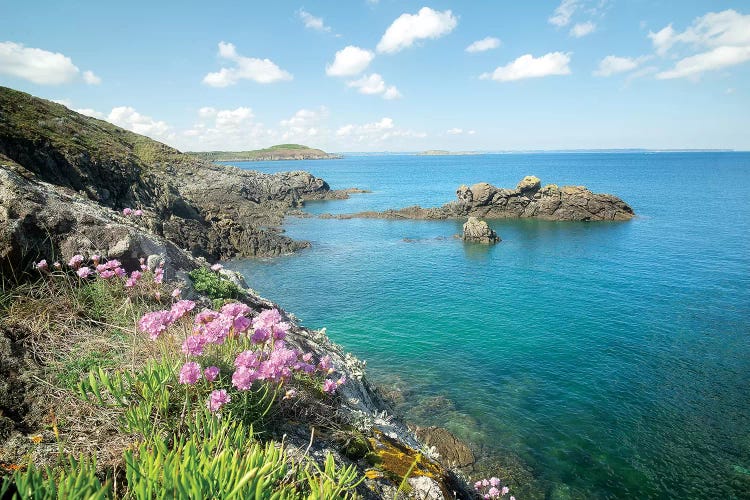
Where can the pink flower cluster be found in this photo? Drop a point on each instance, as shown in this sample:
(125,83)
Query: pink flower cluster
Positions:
(129,211)
(490,488)
(155,323)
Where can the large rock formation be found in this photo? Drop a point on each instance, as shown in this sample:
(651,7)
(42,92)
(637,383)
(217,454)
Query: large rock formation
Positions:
(478,231)
(528,199)
(212,210)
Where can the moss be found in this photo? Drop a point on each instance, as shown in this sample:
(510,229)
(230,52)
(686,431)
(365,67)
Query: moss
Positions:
(356,447)
(398,460)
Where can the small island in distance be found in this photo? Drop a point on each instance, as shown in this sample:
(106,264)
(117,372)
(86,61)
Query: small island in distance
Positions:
(278,152)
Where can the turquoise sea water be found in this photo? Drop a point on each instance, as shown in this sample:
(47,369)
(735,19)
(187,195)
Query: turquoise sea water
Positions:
(612,359)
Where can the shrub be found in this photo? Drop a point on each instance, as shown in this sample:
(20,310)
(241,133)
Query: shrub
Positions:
(213,284)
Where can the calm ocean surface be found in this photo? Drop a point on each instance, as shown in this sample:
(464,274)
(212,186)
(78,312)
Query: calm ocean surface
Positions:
(601,360)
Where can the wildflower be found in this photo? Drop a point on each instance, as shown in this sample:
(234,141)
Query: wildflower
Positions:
(218,329)
(217,399)
(95,258)
(175,293)
(138,212)
(217,267)
(157,296)
(106,274)
(505,490)
(290,394)
(57,265)
(158,275)
(493,492)
(41,265)
(478,485)
(329,386)
(120,272)
(325,364)
(235,309)
(83,272)
(193,345)
(260,336)
(246,359)
(180,308)
(485,483)
(267,319)
(494,482)
(341,381)
(127,211)
(155,323)
(75,261)
(243,378)
(307,357)
(211,373)
(113,264)
(190,373)
(205,316)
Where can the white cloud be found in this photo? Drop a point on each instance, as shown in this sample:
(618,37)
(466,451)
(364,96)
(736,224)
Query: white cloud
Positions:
(718,58)
(455,131)
(312,22)
(582,29)
(611,65)
(374,84)
(376,132)
(304,125)
(349,61)
(40,66)
(528,66)
(246,68)
(563,13)
(487,43)
(408,28)
(129,118)
(90,78)
(722,39)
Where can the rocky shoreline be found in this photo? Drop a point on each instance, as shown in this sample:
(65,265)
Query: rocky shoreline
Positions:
(528,200)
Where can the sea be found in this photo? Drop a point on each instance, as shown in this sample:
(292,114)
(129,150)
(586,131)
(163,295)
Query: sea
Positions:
(586,359)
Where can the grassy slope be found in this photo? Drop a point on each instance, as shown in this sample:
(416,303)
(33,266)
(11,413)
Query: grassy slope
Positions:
(280,151)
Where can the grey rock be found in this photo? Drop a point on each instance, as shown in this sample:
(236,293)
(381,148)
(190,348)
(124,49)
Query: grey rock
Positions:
(478,231)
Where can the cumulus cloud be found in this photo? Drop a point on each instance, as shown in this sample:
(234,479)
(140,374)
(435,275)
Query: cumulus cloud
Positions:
(528,66)
(129,118)
(312,22)
(246,68)
(459,131)
(722,39)
(304,125)
(612,65)
(373,85)
(563,13)
(582,29)
(350,61)
(409,28)
(487,43)
(376,132)
(41,66)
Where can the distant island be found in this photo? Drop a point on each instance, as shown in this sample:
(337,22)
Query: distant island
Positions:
(441,152)
(278,152)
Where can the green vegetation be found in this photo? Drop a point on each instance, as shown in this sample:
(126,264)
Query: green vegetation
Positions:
(215,286)
(278,152)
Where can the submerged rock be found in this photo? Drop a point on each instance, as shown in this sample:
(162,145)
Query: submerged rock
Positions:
(478,231)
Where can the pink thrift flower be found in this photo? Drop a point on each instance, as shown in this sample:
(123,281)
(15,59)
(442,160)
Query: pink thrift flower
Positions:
(190,373)
(83,272)
(158,275)
(155,323)
(211,373)
(246,359)
(41,265)
(290,394)
(235,309)
(75,261)
(127,211)
(493,492)
(138,212)
(106,274)
(57,265)
(217,399)
(175,293)
(95,258)
(341,381)
(260,336)
(100,268)
(329,386)
(512,497)
(193,345)
(217,330)
(181,307)
(243,378)
(120,272)
(113,264)
(205,316)
(325,364)
(267,319)
(485,483)
(494,482)
(505,490)
(241,324)
(217,267)
(307,357)
(478,485)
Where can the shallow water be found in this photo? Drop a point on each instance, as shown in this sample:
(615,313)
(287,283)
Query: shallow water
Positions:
(612,358)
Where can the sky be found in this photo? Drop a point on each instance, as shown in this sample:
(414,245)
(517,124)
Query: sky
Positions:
(390,75)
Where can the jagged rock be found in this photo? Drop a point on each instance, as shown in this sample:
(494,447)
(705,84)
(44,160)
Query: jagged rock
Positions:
(478,231)
(569,203)
(452,450)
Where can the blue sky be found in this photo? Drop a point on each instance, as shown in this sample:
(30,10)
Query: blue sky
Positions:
(387,75)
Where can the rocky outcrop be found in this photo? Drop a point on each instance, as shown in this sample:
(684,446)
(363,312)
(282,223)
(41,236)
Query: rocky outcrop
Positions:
(528,200)
(451,449)
(478,231)
(213,210)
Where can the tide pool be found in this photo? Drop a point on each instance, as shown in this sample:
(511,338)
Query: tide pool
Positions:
(611,359)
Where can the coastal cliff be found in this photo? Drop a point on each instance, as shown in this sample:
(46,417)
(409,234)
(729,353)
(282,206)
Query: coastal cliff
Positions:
(528,200)
(214,211)
(274,153)
(76,186)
